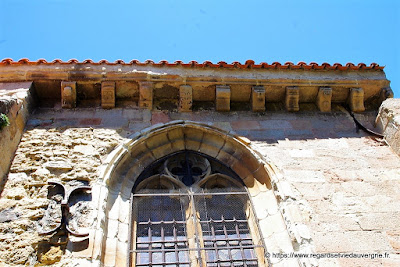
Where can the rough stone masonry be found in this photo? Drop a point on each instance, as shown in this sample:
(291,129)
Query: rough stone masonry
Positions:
(344,185)
(336,188)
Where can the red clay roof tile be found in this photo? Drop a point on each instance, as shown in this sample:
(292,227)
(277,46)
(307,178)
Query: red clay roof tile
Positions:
(249,64)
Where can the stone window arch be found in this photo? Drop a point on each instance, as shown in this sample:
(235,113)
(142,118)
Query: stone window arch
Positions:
(122,169)
(191,210)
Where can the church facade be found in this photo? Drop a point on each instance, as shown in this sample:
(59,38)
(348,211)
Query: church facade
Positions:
(198,164)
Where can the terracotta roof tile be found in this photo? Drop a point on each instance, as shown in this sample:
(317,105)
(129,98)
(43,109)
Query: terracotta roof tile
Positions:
(249,64)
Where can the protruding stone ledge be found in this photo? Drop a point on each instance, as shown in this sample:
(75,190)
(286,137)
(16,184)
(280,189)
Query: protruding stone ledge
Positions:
(203,80)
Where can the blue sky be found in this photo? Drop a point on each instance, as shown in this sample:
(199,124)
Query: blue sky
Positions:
(264,31)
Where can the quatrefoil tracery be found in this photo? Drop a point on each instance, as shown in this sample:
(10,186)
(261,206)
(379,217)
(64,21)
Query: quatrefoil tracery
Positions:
(187,168)
(62,226)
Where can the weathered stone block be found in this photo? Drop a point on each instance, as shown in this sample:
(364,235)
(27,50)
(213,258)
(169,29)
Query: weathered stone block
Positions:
(146,95)
(159,117)
(324,99)
(211,144)
(108,94)
(52,256)
(252,185)
(110,252)
(386,93)
(258,98)
(122,258)
(222,98)
(185,98)
(292,98)
(68,94)
(194,138)
(356,100)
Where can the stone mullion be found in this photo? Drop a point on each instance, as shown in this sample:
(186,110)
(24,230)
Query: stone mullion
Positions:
(193,233)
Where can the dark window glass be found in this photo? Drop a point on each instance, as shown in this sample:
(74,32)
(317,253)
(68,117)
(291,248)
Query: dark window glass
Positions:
(189,210)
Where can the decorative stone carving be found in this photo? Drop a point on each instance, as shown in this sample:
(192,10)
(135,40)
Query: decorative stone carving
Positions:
(222,98)
(185,98)
(68,94)
(108,94)
(292,98)
(146,95)
(356,100)
(62,226)
(177,167)
(258,98)
(324,99)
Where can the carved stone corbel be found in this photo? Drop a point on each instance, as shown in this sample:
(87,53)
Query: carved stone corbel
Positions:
(292,98)
(68,94)
(108,94)
(324,99)
(146,95)
(185,98)
(258,98)
(356,100)
(223,98)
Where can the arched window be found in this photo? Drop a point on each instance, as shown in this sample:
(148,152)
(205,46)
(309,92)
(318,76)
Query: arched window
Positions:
(190,210)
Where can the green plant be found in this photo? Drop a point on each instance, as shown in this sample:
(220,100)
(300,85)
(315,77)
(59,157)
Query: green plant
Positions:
(4,121)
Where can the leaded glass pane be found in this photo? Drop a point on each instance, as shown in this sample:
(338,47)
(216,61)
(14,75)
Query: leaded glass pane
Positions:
(190,210)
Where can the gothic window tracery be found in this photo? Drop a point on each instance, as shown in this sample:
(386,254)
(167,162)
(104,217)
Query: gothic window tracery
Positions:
(191,210)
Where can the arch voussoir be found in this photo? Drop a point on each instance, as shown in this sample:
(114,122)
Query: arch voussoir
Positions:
(131,159)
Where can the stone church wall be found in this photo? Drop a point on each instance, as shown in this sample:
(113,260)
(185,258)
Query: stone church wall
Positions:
(339,190)
(388,121)
(16,101)
(326,186)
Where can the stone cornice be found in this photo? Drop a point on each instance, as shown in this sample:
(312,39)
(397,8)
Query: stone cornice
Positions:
(370,82)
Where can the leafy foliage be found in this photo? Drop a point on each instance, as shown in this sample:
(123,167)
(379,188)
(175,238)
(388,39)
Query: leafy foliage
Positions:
(4,121)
